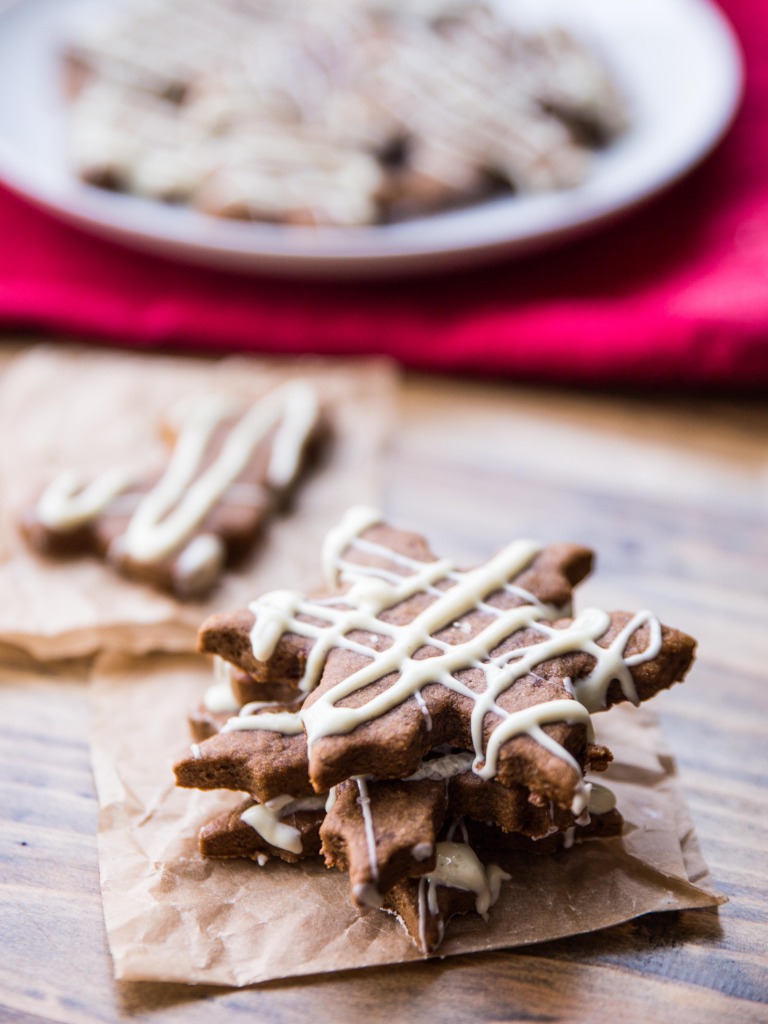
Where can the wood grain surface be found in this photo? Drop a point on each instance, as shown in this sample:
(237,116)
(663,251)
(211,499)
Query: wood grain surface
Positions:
(673,495)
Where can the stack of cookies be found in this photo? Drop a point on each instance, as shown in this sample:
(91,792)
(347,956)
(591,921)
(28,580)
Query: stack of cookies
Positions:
(415,721)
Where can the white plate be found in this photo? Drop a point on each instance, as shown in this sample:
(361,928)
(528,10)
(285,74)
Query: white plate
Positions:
(677,62)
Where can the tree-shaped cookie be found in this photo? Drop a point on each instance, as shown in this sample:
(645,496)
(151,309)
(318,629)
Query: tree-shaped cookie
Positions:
(230,467)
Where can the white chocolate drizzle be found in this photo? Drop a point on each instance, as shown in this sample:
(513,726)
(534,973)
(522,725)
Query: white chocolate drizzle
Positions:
(373,589)
(191,485)
(364,801)
(356,520)
(612,664)
(268,825)
(199,564)
(422,905)
(580,802)
(295,422)
(424,709)
(422,851)
(457,825)
(257,705)
(601,799)
(285,722)
(495,877)
(266,820)
(219,697)
(457,867)
(66,504)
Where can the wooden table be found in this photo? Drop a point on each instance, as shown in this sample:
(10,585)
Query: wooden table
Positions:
(673,494)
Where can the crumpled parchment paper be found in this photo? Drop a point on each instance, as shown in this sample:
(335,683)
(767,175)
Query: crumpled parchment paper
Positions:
(84,410)
(173,916)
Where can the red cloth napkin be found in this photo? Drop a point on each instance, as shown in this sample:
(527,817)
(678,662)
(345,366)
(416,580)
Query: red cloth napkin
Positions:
(676,294)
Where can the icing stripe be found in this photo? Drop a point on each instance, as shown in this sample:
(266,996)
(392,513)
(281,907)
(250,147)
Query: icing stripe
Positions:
(220,697)
(355,520)
(364,801)
(66,504)
(267,823)
(285,722)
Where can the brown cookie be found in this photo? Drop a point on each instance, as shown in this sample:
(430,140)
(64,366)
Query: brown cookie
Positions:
(228,635)
(266,764)
(425,904)
(204,723)
(234,691)
(549,579)
(382,832)
(484,836)
(509,808)
(289,831)
(228,472)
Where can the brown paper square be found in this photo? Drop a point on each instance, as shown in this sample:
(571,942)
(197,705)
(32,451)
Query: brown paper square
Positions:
(172,916)
(85,410)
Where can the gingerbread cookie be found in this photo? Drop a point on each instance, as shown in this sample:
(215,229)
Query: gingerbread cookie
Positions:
(285,828)
(466,878)
(490,662)
(229,470)
(460,883)
(410,816)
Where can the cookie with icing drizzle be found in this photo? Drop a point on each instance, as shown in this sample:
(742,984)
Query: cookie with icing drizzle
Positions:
(263,762)
(491,840)
(378,831)
(381,832)
(546,578)
(410,653)
(286,828)
(231,467)
(408,816)
(459,884)
(391,110)
(466,878)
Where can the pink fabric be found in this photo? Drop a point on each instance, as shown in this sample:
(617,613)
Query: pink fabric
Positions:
(676,294)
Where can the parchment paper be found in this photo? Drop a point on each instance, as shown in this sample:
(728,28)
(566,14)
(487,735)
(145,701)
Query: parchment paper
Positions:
(86,410)
(172,916)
